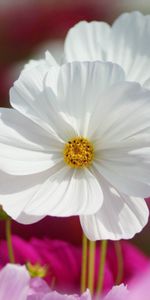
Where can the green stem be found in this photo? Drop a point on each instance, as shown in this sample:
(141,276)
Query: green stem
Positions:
(84,263)
(102,267)
(91,267)
(9,241)
(119,256)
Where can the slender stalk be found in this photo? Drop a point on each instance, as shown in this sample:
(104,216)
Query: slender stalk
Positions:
(101,267)
(119,256)
(9,241)
(91,266)
(84,263)
(53,281)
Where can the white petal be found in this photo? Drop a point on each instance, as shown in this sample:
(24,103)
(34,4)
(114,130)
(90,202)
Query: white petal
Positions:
(25,148)
(60,122)
(127,169)
(14,282)
(122,113)
(34,95)
(80,89)
(28,219)
(42,64)
(17,191)
(67,192)
(130,34)
(147,84)
(125,44)
(122,138)
(87,41)
(56,48)
(50,60)
(120,216)
(56,192)
(28,96)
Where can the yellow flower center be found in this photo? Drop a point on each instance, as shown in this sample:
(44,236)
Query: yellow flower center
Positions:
(36,270)
(78,152)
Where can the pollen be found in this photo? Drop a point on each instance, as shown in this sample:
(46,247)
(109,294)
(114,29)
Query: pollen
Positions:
(78,152)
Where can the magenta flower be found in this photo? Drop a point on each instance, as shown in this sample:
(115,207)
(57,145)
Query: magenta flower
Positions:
(134,261)
(62,259)
(64,262)
(16,284)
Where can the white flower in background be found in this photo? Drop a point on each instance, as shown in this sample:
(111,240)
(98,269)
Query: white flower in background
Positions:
(77,143)
(125,43)
(55,47)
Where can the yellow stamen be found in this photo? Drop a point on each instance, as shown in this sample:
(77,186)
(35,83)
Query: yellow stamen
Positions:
(36,270)
(78,152)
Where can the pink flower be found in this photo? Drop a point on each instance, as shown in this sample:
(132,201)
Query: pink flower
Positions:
(53,295)
(64,261)
(134,261)
(137,290)
(140,286)
(16,284)
(119,292)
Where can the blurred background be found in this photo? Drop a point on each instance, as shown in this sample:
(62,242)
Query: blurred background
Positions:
(27,29)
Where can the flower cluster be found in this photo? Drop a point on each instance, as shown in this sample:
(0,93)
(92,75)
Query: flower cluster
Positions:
(57,258)
(89,101)
(16,283)
(76,142)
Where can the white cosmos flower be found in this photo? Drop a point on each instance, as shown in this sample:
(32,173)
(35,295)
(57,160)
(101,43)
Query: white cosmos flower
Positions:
(125,43)
(77,143)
